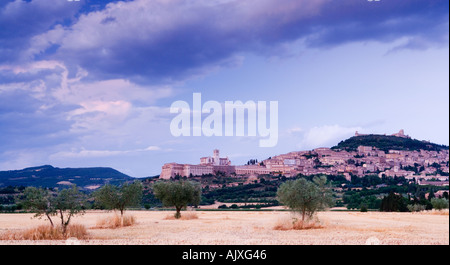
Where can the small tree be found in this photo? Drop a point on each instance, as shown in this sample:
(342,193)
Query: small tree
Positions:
(68,203)
(65,204)
(305,197)
(179,193)
(119,198)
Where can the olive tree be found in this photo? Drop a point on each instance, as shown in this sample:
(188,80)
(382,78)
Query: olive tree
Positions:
(64,204)
(68,203)
(119,198)
(39,201)
(305,197)
(439,203)
(179,193)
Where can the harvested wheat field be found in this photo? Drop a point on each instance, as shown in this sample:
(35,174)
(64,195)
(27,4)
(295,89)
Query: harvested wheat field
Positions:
(249,228)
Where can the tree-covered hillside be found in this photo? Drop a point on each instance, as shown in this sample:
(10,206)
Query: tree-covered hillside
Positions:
(387,142)
(49,176)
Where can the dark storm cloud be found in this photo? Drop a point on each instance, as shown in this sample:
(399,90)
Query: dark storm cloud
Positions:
(175,39)
(21,20)
(172,40)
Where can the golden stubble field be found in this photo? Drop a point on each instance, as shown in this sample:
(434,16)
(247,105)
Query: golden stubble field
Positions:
(252,228)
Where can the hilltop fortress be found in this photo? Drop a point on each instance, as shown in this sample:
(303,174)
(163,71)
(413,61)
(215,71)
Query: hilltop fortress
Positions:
(366,160)
(400,133)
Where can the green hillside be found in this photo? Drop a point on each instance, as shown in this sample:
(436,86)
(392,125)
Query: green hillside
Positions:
(49,176)
(387,142)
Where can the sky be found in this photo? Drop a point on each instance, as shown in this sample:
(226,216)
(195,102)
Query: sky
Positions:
(90,83)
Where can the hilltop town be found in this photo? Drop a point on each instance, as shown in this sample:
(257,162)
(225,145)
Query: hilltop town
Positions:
(425,166)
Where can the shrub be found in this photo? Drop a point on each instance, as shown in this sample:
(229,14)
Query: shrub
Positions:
(416,207)
(363,208)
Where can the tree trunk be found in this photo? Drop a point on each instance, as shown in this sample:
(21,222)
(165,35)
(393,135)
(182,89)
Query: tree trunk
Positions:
(66,224)
(50,219)
(63,225)
(177,214)
(303,212)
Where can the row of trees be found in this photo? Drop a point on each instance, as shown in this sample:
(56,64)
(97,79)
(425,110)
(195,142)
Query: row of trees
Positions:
(300,195)
(397,203)
(417,196)
(66,203)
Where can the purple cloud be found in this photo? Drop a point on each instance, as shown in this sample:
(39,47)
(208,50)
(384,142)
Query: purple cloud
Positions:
(170,40)
(21,20)
(85,74)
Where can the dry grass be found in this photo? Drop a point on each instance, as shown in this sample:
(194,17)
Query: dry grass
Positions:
(294,223)
(436,212)
(115,221)
(47,232)
(188,215)
(432,212)
(249,228)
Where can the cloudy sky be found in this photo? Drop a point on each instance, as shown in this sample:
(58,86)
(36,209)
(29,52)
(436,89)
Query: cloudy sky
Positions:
(90,82)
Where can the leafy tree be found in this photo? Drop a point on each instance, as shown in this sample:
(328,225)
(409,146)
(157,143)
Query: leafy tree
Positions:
(431,195)
(178,193)
(119,198)
(393,203)
(305,197)
(68,203)
(439,204)
(352,199)
(65,204)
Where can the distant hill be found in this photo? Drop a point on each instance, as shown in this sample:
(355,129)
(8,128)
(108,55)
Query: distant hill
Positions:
(388,142)
(49,176)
